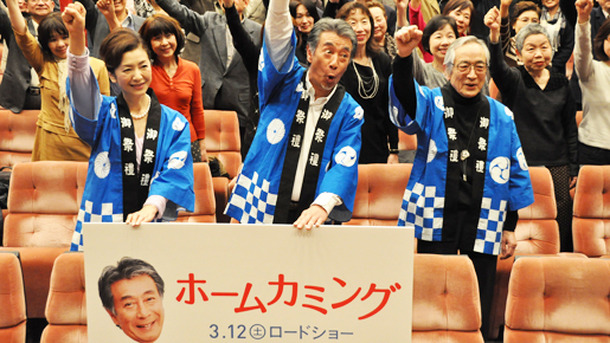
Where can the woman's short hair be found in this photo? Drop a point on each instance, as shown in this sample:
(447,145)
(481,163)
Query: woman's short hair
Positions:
(438,22)
(51,25)
(453,5)
(117,43)
(528,30)
(374,3)
(520,7)
(598,41)
(310,6)
(158,24)
(350,7)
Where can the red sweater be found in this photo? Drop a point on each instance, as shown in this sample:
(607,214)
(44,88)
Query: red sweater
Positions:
(182,92)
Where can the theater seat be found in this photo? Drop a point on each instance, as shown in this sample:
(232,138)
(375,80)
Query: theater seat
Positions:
(66,308)
(552,299)
(537,232)
(43,202)
(12,300)
(379,193)
(222,141)
(591,221)
(205,205)
(446,305)
(17,132)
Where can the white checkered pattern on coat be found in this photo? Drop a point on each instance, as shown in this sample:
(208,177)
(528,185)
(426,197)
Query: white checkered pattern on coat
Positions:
(253,198)
(489,229)
(88,216)
(422,208)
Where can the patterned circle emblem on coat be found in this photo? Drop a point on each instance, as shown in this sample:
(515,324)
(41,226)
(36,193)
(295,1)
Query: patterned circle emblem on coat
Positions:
(432,150)
(509,113)
(178,125)
(176,160)
(275,131)
(346,157)
(359,113)
(499,168)
(521,159)
(438,101)
(101,165)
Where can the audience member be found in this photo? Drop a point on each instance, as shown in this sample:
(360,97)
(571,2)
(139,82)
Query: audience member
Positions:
(304,16)
(249,50)
(461,11)
(561,33)
(599,14)
(381,35)
(304,156)
(55,139)
(594,78)
(20,87)
(438,35)
(153,163)
(544,111)
(98,21)
(523,13)
(469,177)
(225,78)
(366,80)
(176,82)
(332,6)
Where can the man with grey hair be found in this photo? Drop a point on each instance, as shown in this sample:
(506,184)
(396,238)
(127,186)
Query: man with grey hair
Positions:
(302,166)
(132,294)
(469,176)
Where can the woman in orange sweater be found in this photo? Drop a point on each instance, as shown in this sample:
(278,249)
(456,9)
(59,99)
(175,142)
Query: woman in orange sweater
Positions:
(176,82)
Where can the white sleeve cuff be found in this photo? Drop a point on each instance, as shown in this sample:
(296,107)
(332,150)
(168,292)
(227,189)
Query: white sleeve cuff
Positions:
(328,201)
(159,202)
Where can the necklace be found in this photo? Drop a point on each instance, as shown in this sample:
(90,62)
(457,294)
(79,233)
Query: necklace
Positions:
(363,91)
(143,113)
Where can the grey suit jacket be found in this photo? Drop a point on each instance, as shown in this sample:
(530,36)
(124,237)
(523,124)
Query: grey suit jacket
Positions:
(97,26)
(17,75)
(225,87)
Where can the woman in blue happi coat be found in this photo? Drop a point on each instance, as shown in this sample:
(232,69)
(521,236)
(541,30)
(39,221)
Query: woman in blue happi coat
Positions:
(140,167)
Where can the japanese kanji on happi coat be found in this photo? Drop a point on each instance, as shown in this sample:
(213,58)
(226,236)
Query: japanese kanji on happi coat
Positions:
(183,282)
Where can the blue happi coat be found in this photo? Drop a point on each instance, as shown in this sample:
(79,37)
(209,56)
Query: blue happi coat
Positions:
(103,195)
(255,194)
(507,185)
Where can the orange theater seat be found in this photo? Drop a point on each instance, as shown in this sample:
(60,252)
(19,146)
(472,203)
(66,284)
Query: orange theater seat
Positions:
(537,232)
(66,309)
(12,300)
(553,299)
(17,132)
(43,202)
(379,193)
(591,222)
(446,305)
(222,141)
(205,204)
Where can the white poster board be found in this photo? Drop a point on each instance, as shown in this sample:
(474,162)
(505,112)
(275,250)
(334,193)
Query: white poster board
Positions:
(257,283)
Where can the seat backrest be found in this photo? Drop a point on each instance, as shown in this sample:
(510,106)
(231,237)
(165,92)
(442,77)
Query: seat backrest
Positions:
(43,202)
(379,194)
(66,309)
(591,222)
(552,299)
(537,231)
(446,305)
(222,138)
(17,132)
(205,204)
(12,300)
